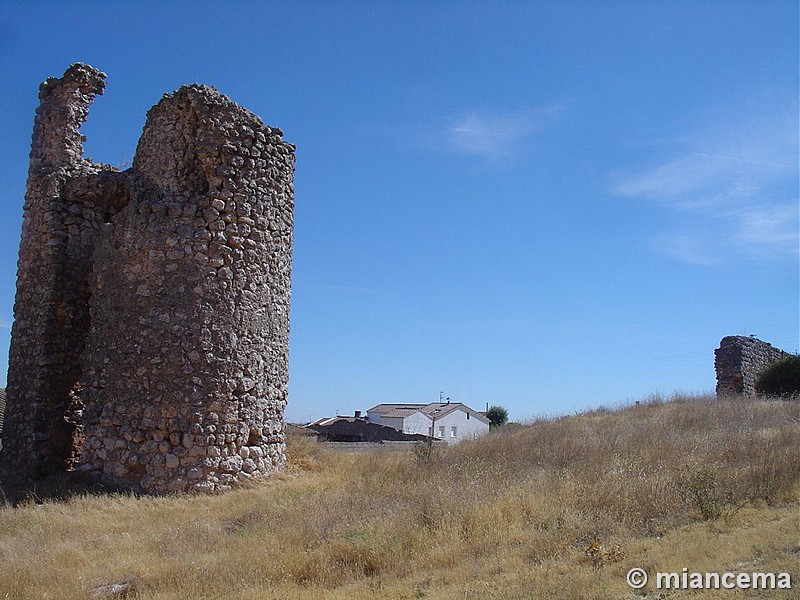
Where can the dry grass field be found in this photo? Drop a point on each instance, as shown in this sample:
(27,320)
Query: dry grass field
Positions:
(556,509)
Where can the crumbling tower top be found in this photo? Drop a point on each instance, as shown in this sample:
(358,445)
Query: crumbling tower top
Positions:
(64,106)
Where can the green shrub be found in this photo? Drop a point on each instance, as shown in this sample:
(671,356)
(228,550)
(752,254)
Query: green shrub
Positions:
(781,378)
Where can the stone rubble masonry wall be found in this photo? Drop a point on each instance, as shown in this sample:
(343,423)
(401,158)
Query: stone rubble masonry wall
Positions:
(739,360)
(2,413)
(150,342)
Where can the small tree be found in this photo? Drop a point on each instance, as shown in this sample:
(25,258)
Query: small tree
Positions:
(497,416)
(781,378)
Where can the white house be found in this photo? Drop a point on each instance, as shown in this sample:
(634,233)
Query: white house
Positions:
(449,421)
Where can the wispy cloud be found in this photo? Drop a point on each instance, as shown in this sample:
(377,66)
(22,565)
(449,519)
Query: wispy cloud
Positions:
(494,136)
(485,135)
(732,185)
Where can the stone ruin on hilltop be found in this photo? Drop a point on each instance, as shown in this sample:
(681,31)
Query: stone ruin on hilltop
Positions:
(739,361)
(150,341)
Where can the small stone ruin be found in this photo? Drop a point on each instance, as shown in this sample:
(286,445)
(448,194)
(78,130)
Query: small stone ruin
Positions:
(739,361)
(149,348)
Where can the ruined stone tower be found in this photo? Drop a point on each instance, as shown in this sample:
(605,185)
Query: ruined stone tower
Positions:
(150,339)
(739,361)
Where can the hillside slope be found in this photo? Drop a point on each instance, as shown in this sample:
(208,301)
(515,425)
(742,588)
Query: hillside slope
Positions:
(558,509)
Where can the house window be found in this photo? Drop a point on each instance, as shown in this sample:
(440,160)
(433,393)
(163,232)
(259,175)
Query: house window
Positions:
(430,431)
(467,416)
(441,431)
(454,431)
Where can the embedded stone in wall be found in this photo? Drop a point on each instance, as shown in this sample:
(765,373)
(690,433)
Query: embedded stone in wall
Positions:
(738,362)
(2,413)
(178,299)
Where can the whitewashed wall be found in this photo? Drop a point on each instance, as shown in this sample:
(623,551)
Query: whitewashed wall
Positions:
(464,428)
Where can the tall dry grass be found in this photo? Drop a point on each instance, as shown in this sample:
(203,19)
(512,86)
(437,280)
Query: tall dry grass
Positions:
(510,515)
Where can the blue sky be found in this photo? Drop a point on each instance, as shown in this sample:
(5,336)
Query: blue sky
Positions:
(545,205)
